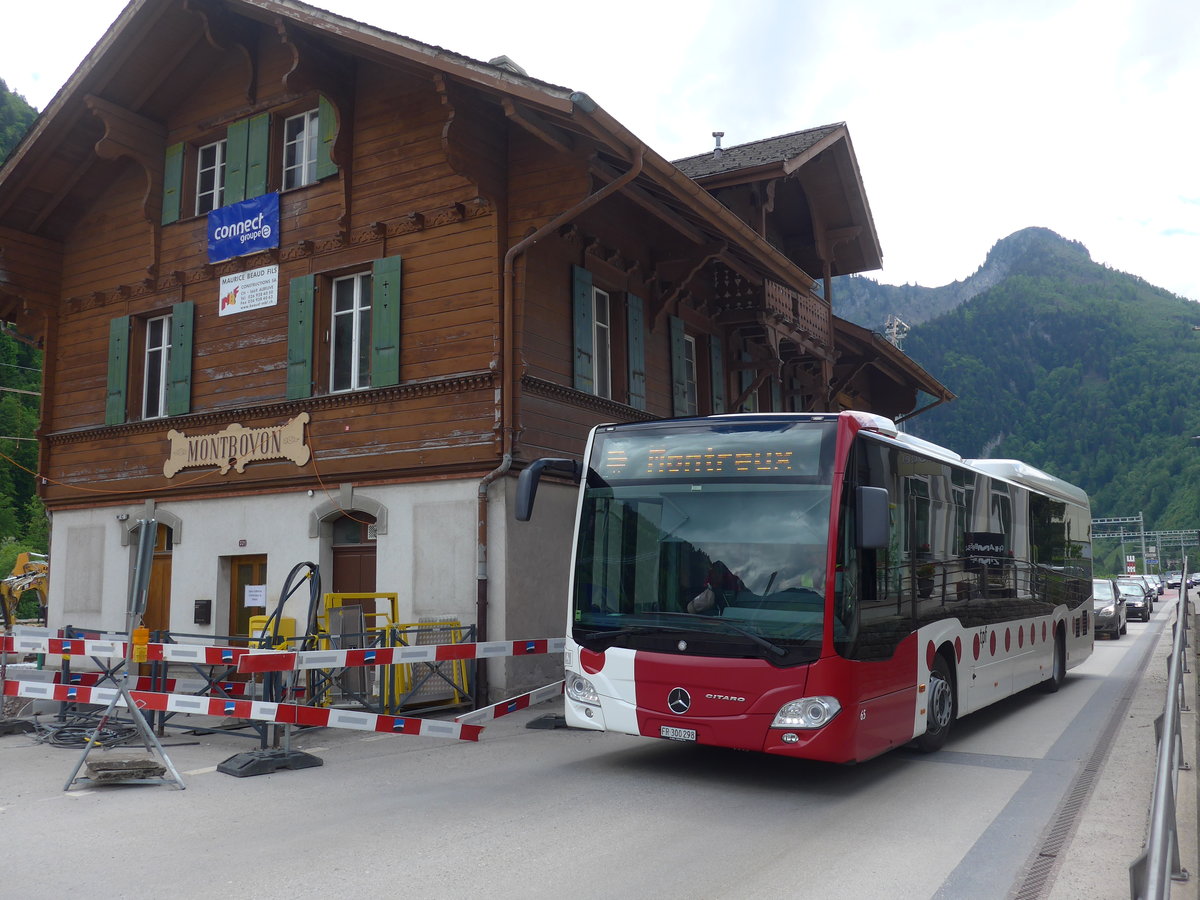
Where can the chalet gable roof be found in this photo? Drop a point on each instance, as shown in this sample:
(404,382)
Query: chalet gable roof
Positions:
(782,153)
(811,183)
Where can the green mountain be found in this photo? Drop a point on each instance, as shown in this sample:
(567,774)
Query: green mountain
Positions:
(1086,372)
(22,519)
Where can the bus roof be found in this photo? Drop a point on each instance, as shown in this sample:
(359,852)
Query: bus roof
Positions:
(1029,476)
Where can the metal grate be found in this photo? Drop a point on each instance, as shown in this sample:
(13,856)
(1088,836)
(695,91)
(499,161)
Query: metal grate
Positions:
(439,687)
(1045,861)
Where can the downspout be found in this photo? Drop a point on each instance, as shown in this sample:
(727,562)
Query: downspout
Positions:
(508,383)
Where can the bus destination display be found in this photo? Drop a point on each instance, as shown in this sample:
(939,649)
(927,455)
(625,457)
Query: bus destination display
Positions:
(795,451)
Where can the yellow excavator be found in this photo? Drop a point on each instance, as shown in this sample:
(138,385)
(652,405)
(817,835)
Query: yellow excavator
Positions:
(31,572)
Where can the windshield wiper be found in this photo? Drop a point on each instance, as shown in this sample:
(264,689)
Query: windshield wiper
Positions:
(608,638)
(757,638)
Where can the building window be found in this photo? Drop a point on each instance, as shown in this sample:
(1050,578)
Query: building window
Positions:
(210,177)
(300,149)
(692,406)
(344,330)
(150,365)
(157,364)
(602,342)
(608,358)
(350,333)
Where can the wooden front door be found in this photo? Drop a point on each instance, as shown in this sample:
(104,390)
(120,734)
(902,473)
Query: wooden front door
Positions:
(158,593)
(245,570)
(354,554)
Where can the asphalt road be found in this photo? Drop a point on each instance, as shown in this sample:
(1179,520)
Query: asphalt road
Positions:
(544,813)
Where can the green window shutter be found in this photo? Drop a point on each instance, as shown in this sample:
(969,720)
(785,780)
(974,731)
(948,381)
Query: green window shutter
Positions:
(118,370)
(258,149)
(716,361)
(776,395)
(172,183)
(300,337)
(326,134)
(237,143)
(678,368)
(179,373)
(385,321)
(581,296)
(637,352)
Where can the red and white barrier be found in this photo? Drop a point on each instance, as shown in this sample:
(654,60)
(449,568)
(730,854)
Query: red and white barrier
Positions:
(250,660)
(282,713)
(199,654)
(291,660)
(504,707)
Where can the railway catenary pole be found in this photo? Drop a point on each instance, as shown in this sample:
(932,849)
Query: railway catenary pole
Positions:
(1183,538)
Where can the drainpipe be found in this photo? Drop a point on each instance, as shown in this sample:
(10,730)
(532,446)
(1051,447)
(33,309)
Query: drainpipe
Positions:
(508,386)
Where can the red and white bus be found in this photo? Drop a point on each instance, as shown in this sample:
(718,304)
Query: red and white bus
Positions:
(814,585)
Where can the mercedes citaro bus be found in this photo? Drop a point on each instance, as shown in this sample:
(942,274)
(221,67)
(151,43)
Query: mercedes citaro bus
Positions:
(815,585)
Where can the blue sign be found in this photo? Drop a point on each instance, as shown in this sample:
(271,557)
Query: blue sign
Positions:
(243,228)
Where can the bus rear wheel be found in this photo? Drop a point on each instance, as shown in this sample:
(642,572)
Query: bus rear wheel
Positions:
(1058,673)
(940,705)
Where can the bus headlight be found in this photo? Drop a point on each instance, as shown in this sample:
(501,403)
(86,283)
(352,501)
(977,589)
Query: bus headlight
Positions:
(581,690)
(808,712)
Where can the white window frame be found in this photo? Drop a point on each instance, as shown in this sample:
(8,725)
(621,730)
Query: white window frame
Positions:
(300,149)
(206,201)
(602,343)
(692,407)
(350,327)
(156,364)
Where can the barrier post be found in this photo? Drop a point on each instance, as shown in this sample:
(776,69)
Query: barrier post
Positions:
(135,651)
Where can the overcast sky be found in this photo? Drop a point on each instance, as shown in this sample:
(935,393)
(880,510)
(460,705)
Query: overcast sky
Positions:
(970,120)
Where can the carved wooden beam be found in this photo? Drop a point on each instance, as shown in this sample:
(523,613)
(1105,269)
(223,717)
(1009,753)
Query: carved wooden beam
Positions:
(135,137)
(708,253)
(464,140)
(315,68)
(229,35)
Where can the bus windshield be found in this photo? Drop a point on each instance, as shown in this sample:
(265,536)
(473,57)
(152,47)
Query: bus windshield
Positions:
(706,541)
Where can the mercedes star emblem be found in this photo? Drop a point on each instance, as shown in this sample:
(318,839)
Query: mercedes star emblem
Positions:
(679,701)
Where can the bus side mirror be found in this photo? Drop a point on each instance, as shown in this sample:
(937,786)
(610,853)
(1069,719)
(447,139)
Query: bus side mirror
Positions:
(527,482)
(873,518)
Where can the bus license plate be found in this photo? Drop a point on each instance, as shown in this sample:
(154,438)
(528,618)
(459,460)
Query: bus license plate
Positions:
(676,734)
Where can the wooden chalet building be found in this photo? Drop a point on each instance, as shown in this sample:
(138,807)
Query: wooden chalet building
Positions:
(313,291)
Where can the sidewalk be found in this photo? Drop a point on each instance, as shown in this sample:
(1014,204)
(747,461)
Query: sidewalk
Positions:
(1113,824)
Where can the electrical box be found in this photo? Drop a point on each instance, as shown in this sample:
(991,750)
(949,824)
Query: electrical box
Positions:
(203,612)
(283,634)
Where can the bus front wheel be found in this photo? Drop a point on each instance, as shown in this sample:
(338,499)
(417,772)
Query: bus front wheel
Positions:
(940,707)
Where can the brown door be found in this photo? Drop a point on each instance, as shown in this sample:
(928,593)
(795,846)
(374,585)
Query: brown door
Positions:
(353,554)
(245,570)
(158,594)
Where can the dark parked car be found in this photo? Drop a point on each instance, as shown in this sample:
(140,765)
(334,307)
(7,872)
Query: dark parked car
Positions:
(1137,600)
(1109,607)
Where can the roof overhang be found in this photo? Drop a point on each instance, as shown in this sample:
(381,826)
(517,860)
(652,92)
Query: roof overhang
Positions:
(870,366)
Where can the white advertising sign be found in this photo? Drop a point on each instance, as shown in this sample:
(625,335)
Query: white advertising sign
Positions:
(243,291)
